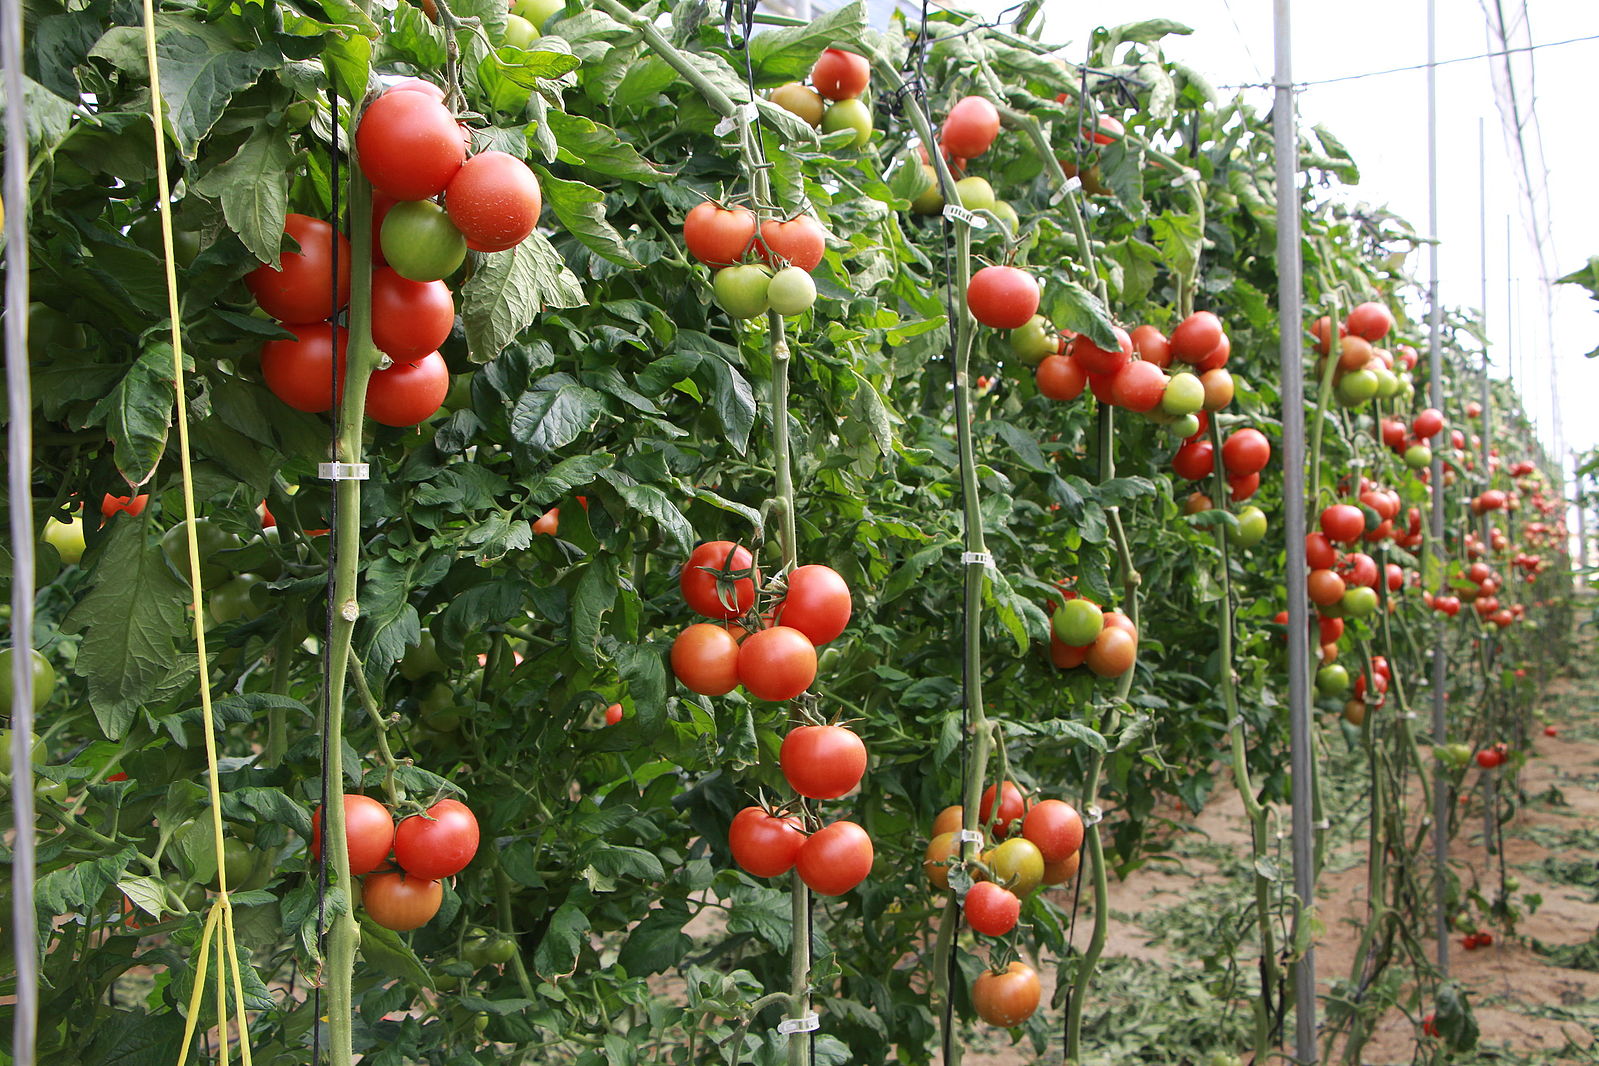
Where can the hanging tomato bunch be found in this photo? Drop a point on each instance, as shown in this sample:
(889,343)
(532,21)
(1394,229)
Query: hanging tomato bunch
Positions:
(425,848)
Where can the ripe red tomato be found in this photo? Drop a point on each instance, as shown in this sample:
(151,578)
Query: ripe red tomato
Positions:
(613,714)
(408,393)
(835,859)
(1330,629)
(970,128)
(1427,424)
(1320,553)
(494,200)
(1196,337)
(1395,575)
(409,318)
(817,603)
(1343,523)
(1056,827)
(1066,656)
(840,75)
(718,236)
(301,290)
(396,901)
(699,583)
(409,145)
(417,85)
(1060,377)
(300,372)
(1489,758)
(764,844)
(776,664)
(1006,999)
(1152,346)
(705,659)
(1138,386)
(1369,320)
(1097,360)
(1113,652)
(1393,434)
(822,761)
(1218,355)
(1218,388)
(801,241)
(1012,806)
(134,505)
(1245,452)
(1325,587)
(1242,488)
(368,833)
(439,844)
(990,909)
(1194,460)
(1002,297)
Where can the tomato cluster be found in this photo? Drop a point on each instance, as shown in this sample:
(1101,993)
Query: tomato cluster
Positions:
(403,865)
(1363,370)
(832,102)
(1082,633)
(744,253)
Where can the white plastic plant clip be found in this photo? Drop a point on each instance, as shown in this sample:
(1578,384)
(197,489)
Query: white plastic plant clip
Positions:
(808,1022)
(344,471)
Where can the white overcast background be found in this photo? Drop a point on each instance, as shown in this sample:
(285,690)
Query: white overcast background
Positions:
(1383,122)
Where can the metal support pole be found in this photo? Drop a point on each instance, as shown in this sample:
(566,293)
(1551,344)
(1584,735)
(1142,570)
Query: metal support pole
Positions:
(1290,320)
(1435,363)
(1577,494)
(19,441)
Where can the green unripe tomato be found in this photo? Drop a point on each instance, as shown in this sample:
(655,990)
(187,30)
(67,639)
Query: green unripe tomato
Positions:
(1007,214)
(1184,395)
(1077,622)
(488,949)
(181,888)
(211,540)
(1332,680)
(1455,756)
(849,115)
(1356,387)
(519,32)
(243,863)
(1034,341)
(791,291)
(741,291)
(538,12)
(1184,427)
(1387,383)
(40,755)
(44,680)
(66,538)
(444,981)
(1418,456)
(931,201)
(422,659)
(420,242)
(1251,527)
(1016,864)
(976,194)
(233,600)
(440,711)
(1359,602)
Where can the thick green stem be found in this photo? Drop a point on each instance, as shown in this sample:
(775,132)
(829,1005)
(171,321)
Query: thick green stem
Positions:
(1323,397)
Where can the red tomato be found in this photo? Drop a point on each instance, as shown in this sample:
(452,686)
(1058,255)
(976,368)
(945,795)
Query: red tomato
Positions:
(1241,488)
(396,901)
(700,587)
(718,236)
(970,128)
(1194,460)
(1319,552)
(300,372)
(1330,629)
(764,844)
(1196,337)
(1056,827)
(409,318)
(776,664)
(1427,424)
(817,603)
(613,714)
(1218,356)
(417,85)
(1113,652)
(494,200)
(438,844)
(822,761)
(1138,386)
(801,241)
(408,393)
(1003,297)
(835,859)
(301,289)
(1245,452)
(1393,434)
(1151,346)
(1370,320)
(368,833)
(1066,656)
(1006,999)
(1343,523)
(705,659)
(1012,806)
(840,75)
(1326,588)
(991,910)
(1060,377)
(1358,569)
(1096,360)
(1396,576)
(134,505)
(548,523)
(409,145)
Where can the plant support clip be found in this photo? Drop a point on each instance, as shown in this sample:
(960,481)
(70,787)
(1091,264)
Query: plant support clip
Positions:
(959,213)
(343,471)
(747,112)
(805,1023)
(971,835)
(978,558)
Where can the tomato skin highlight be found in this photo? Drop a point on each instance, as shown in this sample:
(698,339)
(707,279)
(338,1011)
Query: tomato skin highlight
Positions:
(494,200)
(763,844)
(1056,827)
(300,371)
(368,833)
(398,902)
(300,291)
(409,145)
(817,603)
(776,664)
(717,236)
(408,393)
(705,659)
(438,845)
(835,859)
(1006,999)
(1002,297)
(823,761)
(992,910)
(699,587)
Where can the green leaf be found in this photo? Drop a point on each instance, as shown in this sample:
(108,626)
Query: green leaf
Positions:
(581,209)
(569,474)
(254,189)
(146,893)
(765,912)
(555,413)
(131,620)
(594,598)
(1075,308)
(508,289)
(658,942)
(653,503)
(138,412)
(615,860)
(384,951)
(788,54)
(1146,32)
(595,147)
(556,956)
